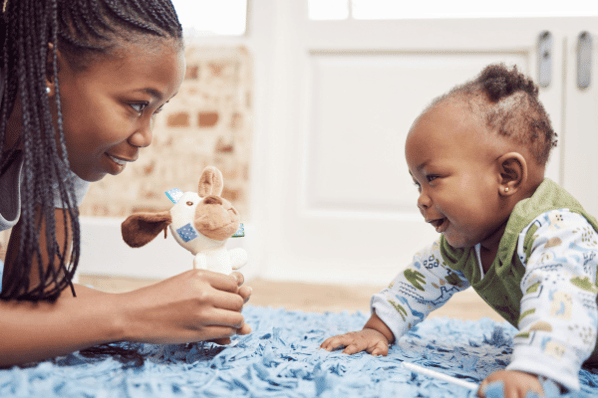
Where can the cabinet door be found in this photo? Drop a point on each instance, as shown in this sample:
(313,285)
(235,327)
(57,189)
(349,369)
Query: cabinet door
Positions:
(341,206)
(580,129)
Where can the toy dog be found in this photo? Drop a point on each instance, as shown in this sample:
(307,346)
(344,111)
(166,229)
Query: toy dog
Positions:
(200,222)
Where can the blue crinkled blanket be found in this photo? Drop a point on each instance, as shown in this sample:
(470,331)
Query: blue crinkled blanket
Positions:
(281,359)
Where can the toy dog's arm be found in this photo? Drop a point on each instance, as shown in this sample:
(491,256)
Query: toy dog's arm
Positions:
(140,228)
(238,257)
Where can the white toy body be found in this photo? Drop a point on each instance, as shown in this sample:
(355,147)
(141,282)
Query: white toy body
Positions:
(200,222)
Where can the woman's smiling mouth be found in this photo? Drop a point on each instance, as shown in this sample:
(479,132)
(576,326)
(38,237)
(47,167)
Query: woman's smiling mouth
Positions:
(119,161)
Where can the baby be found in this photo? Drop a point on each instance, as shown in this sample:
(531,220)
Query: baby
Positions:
(477,156)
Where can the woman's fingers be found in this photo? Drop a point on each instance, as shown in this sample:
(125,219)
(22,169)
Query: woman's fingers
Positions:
(227,283)
(221,317)
(239,277)
(245,292)
(245,329)
(195,305)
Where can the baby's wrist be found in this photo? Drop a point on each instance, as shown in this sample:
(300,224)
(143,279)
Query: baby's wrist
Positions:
(378,325)
(377,333)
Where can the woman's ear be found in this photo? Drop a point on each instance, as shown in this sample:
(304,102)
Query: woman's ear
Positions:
(513,173)
(50,78)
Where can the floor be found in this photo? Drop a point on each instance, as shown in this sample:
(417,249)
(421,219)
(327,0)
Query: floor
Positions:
(314,297)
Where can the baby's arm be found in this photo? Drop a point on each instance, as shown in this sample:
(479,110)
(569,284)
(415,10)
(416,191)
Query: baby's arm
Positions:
(558,321)
(422,287)
(373,338)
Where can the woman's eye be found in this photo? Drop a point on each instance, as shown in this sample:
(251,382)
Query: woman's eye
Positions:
(139,107)
(431,177)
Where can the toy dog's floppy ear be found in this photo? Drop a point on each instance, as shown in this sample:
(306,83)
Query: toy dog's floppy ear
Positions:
(210,182)
(141,228)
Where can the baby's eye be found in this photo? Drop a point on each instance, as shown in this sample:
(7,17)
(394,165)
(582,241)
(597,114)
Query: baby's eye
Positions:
(431,177)
(417,185)
(139,107)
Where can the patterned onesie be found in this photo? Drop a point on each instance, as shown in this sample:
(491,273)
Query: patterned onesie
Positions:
(543,281)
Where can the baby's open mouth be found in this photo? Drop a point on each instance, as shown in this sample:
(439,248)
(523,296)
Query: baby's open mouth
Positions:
(437,224)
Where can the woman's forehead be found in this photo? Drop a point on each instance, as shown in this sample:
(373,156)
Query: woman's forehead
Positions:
(158,70)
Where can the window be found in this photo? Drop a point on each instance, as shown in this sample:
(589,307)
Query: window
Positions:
(394,9)
(212,17)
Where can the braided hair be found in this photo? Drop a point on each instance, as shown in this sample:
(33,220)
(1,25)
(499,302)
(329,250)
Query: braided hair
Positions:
(507,102)
(83,31)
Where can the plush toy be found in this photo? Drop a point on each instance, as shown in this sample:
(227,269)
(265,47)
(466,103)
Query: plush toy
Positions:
(201,222)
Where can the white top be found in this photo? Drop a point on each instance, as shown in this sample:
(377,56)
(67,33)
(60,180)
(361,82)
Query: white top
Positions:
(558,321)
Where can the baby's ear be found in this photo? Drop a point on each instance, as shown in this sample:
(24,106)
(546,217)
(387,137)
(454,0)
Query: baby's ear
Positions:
(141,228)
(513,173)
(210,182)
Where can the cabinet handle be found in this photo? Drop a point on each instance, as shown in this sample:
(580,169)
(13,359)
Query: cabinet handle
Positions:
(584,60)
(544,59)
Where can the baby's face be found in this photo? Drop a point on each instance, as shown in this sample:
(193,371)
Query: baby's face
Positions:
(452,160)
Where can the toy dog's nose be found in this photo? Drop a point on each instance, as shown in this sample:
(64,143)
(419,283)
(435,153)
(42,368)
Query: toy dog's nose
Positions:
(213,200)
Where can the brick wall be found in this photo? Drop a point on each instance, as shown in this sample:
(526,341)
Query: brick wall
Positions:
(207,123)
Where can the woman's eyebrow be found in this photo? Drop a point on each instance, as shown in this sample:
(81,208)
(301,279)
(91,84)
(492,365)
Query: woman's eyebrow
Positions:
(153,92)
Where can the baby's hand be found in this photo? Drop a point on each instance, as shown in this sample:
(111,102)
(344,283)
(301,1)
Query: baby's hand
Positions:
(369,340)
(513,384)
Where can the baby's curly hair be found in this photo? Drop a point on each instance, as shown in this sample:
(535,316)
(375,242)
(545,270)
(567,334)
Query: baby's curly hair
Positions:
(507,101)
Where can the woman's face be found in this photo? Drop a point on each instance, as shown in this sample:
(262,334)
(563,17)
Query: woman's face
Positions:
(109,107)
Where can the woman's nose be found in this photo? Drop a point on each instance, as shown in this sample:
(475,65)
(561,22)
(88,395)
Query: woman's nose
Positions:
(143,136)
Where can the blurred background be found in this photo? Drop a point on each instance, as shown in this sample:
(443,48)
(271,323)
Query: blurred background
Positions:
(305,105)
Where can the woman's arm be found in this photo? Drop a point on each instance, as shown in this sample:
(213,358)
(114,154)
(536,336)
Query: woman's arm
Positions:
(36,331)
(192,306)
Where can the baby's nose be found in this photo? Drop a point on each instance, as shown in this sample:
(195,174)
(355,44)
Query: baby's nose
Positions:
(213,200)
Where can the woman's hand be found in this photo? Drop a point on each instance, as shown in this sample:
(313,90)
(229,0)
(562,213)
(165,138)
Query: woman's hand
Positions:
(192,306)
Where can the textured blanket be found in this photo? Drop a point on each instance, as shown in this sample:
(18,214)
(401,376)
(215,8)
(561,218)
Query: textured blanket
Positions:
(281,358)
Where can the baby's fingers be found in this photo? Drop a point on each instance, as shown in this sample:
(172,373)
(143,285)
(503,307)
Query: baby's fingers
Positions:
(354,348)
(378,349)
(335,342)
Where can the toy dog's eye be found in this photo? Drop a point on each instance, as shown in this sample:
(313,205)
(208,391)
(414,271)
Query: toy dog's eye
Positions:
(189,203)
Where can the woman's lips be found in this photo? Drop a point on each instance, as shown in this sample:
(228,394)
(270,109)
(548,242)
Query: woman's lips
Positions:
(119,161)
(116,165)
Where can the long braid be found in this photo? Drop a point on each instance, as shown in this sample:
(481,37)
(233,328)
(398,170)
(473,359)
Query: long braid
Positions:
(82,30)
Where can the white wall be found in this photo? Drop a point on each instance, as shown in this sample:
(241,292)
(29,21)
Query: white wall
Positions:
(308,222)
